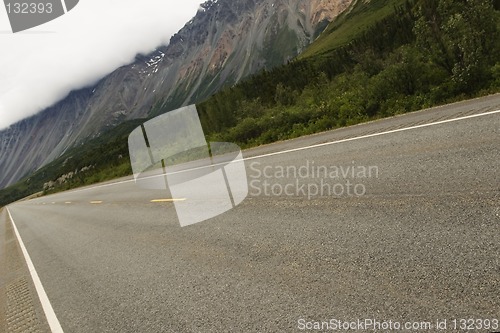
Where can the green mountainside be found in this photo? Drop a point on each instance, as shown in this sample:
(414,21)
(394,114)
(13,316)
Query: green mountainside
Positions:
(351,24)
(418,54)
(379,58)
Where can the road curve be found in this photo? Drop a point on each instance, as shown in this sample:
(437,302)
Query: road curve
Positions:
(417,243)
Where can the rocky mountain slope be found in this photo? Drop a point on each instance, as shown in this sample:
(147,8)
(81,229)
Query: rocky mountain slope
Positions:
(225,41)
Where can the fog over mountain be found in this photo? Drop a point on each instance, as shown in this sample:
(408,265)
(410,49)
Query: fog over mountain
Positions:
(41,66)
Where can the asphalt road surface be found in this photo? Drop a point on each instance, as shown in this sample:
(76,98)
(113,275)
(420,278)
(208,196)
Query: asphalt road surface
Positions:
(413,239)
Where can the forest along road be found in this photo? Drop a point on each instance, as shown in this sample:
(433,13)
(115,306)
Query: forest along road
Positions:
(413,238)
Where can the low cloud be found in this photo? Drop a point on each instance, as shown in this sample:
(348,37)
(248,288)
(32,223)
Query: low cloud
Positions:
(41,66)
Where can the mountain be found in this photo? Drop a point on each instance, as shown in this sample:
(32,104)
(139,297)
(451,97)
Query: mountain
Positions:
(226,41)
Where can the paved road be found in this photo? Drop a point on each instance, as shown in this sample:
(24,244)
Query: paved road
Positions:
(420,244)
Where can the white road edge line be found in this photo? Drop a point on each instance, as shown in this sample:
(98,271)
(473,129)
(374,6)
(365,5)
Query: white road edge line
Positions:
(306,148)
(54,324)
(374,135)
(328,143)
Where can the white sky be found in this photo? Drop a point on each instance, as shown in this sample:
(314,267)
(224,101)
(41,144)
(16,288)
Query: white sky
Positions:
(42,65)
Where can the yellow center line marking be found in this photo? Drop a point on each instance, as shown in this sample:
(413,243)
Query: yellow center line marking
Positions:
(96,202)
(168,200)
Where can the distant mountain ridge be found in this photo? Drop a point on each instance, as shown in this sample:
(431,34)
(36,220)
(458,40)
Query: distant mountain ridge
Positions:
(226,41)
